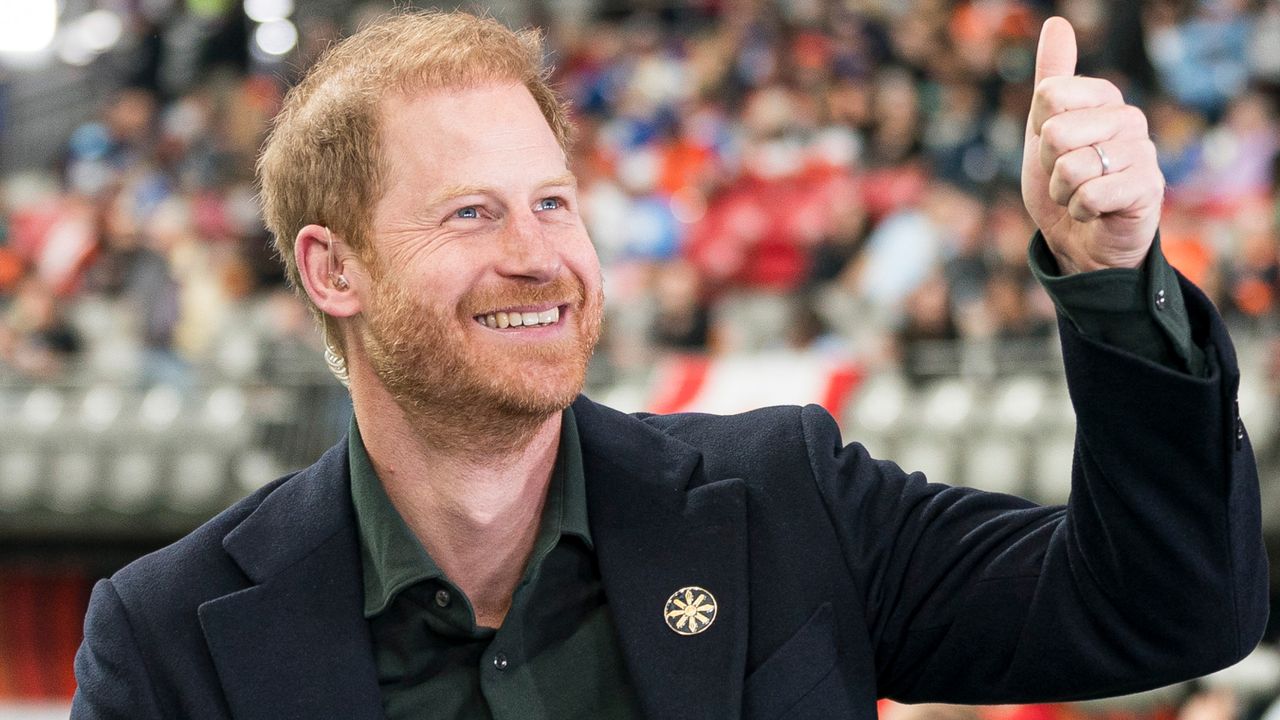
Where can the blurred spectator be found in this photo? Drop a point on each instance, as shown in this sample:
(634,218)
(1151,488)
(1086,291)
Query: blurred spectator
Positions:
(99,153)
(1235,158)
(905,248)
(844,242)
(1254,274)
(1178,132)
(929,327)
(682,322)
(1200,53)
(135,268)
(1006,305)
(807,330)
(35,338)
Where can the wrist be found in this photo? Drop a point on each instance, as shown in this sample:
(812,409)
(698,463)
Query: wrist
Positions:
(1069,265)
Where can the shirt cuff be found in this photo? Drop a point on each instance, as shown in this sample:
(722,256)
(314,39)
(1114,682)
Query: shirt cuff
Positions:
(1138,310)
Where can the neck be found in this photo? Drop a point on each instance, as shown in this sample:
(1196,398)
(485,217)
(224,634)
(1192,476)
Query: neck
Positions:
(472,492)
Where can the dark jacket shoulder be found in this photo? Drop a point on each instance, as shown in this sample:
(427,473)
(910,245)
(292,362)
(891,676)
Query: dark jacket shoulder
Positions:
(196,568)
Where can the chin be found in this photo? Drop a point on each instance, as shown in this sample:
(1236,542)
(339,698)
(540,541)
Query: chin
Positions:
(546,396)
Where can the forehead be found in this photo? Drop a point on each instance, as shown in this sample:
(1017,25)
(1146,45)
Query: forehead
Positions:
(467,134)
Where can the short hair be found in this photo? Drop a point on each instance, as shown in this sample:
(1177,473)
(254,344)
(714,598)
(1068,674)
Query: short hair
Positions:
(323,160)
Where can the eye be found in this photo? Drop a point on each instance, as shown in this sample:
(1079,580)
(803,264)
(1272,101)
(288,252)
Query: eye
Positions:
(470,212)
(551,203)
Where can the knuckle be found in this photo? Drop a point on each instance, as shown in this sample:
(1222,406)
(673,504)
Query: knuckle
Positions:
(1135,119)
(1064,175)
(1081,211)
(1059,192)
(1113,93)
(1147,151)
(1047,155)
(1052,135)
(1144,162)
(1157,195)
(1086,197)
(1072,171)
(1156,190)
(1049,95)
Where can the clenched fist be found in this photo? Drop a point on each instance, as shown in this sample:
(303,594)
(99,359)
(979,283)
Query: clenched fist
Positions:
(1089,173)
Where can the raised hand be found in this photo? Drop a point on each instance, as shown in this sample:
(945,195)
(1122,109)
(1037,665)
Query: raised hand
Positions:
(1089,173)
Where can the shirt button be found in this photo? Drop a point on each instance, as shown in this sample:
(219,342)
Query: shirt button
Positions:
(442,598)
(500,661)
(1160,300)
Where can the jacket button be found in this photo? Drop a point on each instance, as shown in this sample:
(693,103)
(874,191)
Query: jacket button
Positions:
(500,661)
(442,598)
(1160,299)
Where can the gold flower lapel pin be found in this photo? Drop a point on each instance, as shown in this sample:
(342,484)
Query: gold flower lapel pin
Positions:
(690,610)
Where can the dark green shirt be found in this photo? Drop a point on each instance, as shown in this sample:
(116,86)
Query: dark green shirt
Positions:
(556,654)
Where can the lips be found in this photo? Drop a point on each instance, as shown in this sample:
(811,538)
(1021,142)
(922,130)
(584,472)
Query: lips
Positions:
(524,305)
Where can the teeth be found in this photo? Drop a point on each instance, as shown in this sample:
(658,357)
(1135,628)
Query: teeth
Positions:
(503,320)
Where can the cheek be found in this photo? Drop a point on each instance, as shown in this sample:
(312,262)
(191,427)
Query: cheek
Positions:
(410,297)
(583,262)
(444,277)
(588,268)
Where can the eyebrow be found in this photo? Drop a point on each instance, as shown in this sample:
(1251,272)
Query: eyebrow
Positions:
(454,191)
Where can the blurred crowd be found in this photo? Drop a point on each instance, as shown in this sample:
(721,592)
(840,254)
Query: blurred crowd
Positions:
(829,176)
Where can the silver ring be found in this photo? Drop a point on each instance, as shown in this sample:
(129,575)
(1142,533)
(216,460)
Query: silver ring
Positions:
(1106,161)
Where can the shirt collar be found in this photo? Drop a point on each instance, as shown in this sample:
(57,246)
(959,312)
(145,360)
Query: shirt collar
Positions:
(569,462)
(393,558)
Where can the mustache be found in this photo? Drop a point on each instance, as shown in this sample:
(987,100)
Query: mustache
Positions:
(564,289)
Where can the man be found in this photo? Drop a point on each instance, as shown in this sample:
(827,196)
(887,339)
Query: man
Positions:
(486,545)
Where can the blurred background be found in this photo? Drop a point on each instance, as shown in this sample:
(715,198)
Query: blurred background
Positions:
(794,201)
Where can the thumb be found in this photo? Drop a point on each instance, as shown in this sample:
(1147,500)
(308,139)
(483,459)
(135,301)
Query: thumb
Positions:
(1056,54)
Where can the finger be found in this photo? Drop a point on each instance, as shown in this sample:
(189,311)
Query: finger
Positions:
(1077,129)
(1056,53)
(1081,165)
(1058,95)
(1055,57)
(1115,193)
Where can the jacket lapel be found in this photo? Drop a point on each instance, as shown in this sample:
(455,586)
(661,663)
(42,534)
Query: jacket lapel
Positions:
(296,644)
(658,528)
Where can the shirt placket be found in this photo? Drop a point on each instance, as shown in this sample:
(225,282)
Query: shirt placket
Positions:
(506,678)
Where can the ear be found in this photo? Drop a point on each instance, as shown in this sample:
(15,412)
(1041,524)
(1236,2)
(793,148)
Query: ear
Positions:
(311,250)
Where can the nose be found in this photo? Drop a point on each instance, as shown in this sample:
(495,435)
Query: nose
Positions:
(529,250)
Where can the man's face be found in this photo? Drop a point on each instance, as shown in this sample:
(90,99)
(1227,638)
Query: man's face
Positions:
(486,290)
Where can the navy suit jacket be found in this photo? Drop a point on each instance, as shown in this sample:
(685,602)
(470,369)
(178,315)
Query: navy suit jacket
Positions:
(840,578)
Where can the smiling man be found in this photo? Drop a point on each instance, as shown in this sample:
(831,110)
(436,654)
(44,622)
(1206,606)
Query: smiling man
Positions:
(486,543)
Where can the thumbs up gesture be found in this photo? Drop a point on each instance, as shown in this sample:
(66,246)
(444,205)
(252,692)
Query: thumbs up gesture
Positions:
(1089,173)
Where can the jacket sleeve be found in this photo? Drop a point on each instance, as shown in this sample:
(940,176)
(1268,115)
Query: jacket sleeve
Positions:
(1153,573)
(111,675)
